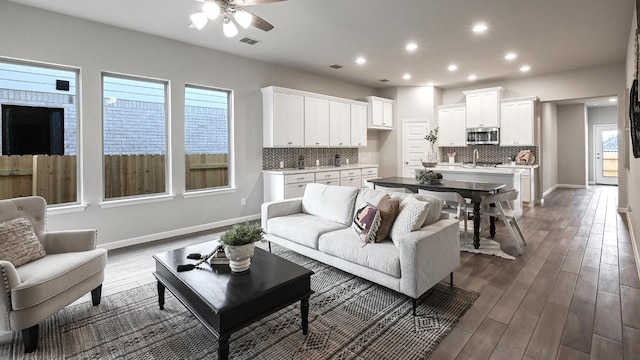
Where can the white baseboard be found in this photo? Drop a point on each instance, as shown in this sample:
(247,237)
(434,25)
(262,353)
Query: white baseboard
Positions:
(571,186)
(176,232)
(633,240)
(550,190)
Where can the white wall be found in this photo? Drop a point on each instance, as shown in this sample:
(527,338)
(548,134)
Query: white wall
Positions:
(548,146)
(633,174)
(604,115)
(572,144)
(33,34)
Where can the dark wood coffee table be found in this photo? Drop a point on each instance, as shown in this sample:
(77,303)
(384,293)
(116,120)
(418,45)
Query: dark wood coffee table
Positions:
(226,302)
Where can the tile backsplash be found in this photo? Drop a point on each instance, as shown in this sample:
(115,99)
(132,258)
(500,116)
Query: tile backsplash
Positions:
(487,153)
(271,157)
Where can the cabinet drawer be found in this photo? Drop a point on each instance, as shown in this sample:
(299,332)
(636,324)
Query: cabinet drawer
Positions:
(370,172)
(326,175)
(351,181)
(294,190)
(334,182)
(298,178)
(348,173)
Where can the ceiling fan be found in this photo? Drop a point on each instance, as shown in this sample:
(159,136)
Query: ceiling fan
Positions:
(232,12)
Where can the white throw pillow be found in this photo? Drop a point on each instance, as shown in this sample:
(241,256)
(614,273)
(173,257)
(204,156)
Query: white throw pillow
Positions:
(410,218)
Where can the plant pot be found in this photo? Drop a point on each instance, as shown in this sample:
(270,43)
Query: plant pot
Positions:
(239,256)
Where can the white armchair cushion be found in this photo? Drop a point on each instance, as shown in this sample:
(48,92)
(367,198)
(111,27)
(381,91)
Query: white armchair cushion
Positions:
(18,242)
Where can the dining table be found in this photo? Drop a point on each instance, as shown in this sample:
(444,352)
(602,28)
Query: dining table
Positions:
(473,190)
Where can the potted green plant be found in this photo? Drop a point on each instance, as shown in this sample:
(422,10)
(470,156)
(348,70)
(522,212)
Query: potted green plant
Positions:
(428,177)
(432,157)
(239,244)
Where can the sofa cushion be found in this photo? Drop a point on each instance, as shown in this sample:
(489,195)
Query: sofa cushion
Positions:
(335,203)
(53,274)
(388,212)
(18,242)
(435,205)
(303,229)
(371,196)
(366,222)
(410,217)
(346,244)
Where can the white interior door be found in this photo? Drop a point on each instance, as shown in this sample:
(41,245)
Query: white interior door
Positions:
(606,154)
(414,146)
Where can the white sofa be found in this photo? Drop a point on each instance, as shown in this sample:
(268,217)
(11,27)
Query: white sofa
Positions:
(318,225)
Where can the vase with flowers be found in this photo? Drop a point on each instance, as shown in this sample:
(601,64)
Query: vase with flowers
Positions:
(432,156)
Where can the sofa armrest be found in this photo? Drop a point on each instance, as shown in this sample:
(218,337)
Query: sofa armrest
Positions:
(279,208)
(57,242)
(10,279)
(428,255)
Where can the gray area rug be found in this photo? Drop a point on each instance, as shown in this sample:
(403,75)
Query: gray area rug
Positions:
(349,318)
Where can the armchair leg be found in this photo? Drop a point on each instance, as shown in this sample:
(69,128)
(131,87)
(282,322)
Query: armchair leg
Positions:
(30,338)
(451,279)
(95,295)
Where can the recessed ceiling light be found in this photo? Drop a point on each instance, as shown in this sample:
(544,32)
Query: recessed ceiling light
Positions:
(510,56)
(411,46)
(472,77)
(430,83)
(613,100)
(453,67)
(360,60)
(406,76)
(525,68)
(480,28)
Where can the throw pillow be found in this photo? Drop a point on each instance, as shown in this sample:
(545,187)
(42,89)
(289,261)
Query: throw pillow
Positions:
(18,242)
(388,212)
(366,222)
(410,218)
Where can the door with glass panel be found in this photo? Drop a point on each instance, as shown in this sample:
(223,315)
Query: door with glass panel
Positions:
(606,154)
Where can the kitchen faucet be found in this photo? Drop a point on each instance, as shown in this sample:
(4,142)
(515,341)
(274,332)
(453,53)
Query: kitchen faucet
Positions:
(476,155)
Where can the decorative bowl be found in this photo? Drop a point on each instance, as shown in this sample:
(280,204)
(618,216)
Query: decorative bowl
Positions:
(428,163)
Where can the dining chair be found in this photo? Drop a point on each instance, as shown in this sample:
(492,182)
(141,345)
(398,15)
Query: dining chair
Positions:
(451,198)
(497,205)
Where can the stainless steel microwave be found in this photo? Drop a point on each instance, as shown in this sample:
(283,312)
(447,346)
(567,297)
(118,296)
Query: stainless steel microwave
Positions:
(483,136)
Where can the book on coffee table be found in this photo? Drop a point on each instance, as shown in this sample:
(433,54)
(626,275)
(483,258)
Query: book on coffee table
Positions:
(219,258)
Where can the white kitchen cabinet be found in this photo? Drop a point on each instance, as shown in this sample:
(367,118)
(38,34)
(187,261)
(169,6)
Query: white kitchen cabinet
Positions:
(339,124)
(278,186)
(328,177)
(380,114)
(352,177)
(517,121)
(368,174)
(358,125)
(316,122)
(451,121)
(482,107)
(283,118)
(528,182)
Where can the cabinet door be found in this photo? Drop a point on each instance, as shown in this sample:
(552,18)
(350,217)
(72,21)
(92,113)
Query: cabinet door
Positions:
(490,115)
(474,110)
(452,127)
(358,125)
(525,188)
(288,127)
(316,122)
(376,113)
(355,181)
(387,115)
(294,190)
(509,124)
(525,120)
(339,124)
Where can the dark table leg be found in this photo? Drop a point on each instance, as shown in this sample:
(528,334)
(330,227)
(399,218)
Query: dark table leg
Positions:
(304,312)
(492,226)
(223,348)
(476,223)
(161,295)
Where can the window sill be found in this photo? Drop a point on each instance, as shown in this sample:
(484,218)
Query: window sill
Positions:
(65,209)
(135,201)
(208,192)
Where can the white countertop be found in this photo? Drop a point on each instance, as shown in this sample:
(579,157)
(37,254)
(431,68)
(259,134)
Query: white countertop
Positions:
(517,166)
(477,170)
(319,168)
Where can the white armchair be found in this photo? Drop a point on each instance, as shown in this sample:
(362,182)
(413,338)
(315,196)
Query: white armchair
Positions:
(38,289)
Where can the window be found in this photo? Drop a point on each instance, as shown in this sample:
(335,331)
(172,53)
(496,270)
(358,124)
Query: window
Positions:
(134,136)
(206,121)
(39,104)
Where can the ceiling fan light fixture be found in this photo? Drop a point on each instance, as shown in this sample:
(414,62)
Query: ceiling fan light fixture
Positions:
(243,18)
(199,20)
(211,10)
(229,28)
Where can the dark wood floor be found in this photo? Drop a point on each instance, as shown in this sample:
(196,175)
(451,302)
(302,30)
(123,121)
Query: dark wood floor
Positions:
(573,294)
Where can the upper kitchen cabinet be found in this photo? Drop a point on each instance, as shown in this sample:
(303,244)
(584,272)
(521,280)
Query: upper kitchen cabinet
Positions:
(380,113)
(339,124)
(482,107)
(517,119)
(316,121)
(358,125)
(451,121)
(283,118)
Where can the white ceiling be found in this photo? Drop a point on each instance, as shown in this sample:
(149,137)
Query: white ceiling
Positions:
(311,35)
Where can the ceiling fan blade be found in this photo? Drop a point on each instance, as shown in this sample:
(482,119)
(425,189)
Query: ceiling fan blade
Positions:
(259,22)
